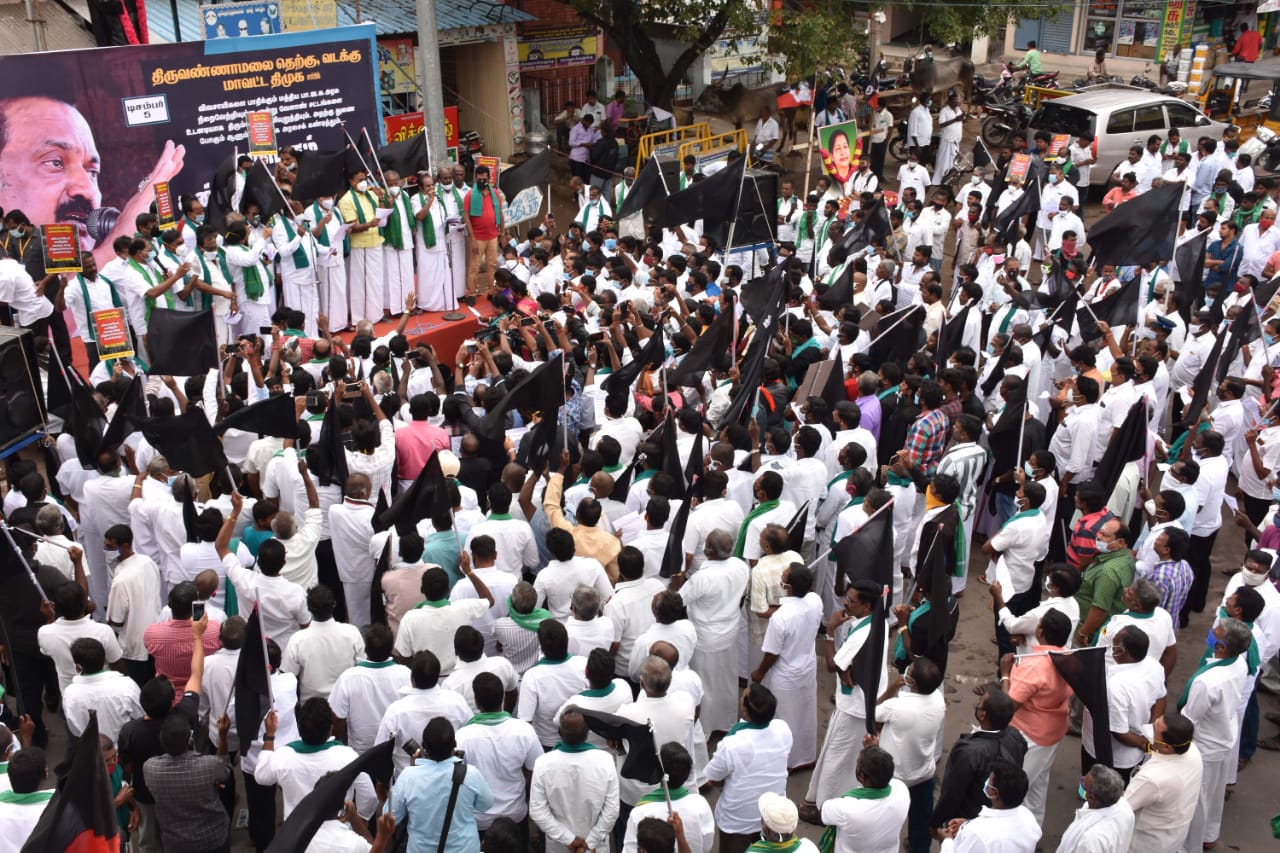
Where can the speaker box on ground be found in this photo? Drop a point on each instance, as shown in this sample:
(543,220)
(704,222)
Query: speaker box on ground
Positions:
(21,397)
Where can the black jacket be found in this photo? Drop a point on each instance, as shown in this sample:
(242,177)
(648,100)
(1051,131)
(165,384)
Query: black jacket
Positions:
(968,767)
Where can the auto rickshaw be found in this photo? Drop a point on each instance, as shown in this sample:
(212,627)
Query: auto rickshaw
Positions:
(1233,94)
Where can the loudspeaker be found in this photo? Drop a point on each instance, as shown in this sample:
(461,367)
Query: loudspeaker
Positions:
(21,398)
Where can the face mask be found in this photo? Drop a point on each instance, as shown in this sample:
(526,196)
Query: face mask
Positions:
(1195,454)
(301,222)
(362,187)
(327,203)
(1270,339)
(211,256)
(292,167)
(15,232)
(1252,578)
(1053,179)
(1047,587)
(1275,496)
(611,244)
(975,180)
(393,191)
(198,220)
(1149,507)
(1028,469)
(1104,547)
(1208,303)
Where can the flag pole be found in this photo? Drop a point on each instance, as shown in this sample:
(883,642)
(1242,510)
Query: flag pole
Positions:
(376,162)
(266,659)
(1022,429)
(39,538)
(737,206)
(666,189)
(4,526)
(823,555)
(910,311)
(355,148)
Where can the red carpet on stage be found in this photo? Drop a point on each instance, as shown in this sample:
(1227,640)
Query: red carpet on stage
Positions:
(427,328)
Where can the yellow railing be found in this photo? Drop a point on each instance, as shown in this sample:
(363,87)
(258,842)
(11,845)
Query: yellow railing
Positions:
(672,138)
(710,145)
(1035,94)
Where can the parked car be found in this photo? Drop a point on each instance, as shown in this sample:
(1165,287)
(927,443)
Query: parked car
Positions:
(1121,117)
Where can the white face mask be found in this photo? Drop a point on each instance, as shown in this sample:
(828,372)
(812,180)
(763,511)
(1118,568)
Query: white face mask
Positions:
(1252,578)
(362,187)
(327,203)
(1149,507)
(393,191)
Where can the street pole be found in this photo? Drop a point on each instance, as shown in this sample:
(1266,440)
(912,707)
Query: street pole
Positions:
(37,26)
(432,86)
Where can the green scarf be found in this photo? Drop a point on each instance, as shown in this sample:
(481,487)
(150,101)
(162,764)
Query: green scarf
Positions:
(899,645)
(429,227)
(528,621)
(657,796)
(597,692)
(319,213)
(828,841)
(862,623)
(746,522)
(355,204)
(206,300)
(443,602)
(92,331)
(381,664)
(805,226)
(779,846)
(858,501)
(586,214)
(1186,691)
(488,718)
(149,279)
(1026,513)
(742,725)
(307,748)
(499,516)
(619,194)
(16,799)
(838,478)
(546,661)
(300,259)
(1012,309)
(575,747)
(394,233)
(254,286)
(476,208)
(893,479)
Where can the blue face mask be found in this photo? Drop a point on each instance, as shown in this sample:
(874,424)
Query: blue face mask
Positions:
(198,220)
(1275,496)
(611,244)
(1053,179)
(1028,469)
(1270,339)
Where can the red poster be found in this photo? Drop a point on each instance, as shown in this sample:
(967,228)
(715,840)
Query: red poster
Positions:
(61,244)
(262,134)
(1058,145)
(450,127)
(164,206)
(113,333)
(403,126)
(1019,166)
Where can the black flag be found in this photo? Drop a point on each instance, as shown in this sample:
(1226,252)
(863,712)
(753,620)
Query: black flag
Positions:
(275,416)
(327,455)
(181,343)
(1139,231)
(543,389)
(641,763)
(796,527)
(81,815)
(186,440)
(841,290)
(868,663)
(132,405)
(1118,309)
(534,172)
(1085,670)
(896,336)
(646,191)
(673,556)
(406,157)
(1006,454)
(707,351)
(875,225)
(867,553)
(252,685)
(88,423)
(1201,386)
(320,173)
(221,188)
(260,188)
(1129,443)
(764,296)
(325,800)
(1189,259)
(427,494)
(671,455)
(1243,331)
(951,335)
(713,199)
(652,354)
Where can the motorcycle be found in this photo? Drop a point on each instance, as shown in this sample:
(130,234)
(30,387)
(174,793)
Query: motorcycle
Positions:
(763,159)
(1082,83)
(899,148)
(1143,81)
(470,146)
(1263,148)
(1003,123)
(1002,90)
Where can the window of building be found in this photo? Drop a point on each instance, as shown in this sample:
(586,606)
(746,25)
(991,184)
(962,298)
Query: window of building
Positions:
(1129,28)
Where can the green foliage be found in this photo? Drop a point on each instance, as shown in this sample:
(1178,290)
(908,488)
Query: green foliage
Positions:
(807,40)
(959,24)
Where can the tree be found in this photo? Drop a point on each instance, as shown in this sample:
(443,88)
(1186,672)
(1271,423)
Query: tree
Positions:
(805,40)
(637,26)
(961,23)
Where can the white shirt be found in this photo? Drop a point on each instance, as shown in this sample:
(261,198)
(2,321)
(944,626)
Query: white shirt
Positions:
(297,774)
(350,529)
(555,583)
(1163,793)
(912,724)
(427,628)
(320,653)
(868,826)
(18,820)
(708,516)
(406,717)
(1211,484)
(1132,688)
(713,596)
(695,815)
(544,689)
(112,694)
(670,717)
(461,680)
(574,795)
(501,751)
(680,634)
(1213,704)
(134,603)
(1158,627)
(282,604)
(500,584)
(750,762)
(513,539)
(996,831)
(584,636)
(631,612)
(1027,623)
(1073,443)
(55,641)
(362,693)
(1022,542)
(1106,830)
(790,636)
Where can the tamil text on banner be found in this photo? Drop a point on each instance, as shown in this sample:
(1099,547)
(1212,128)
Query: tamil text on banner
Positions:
(396,74)
(61,244)
(171,112)
(302,15)
(113,334)
(451,133)
(492,163)
(165,214)
(226,20)
(558,47)
(1018,166)
(1058,145)
(262,133)
(403,126)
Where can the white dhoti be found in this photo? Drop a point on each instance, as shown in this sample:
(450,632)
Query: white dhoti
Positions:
(797,705)
(1036,764)
(1207,823)
(300,294)
(221,329)
(365,281)
(398,265)
(947,152)
(837,762)
(824,579)
(435,279)
(333,295)
(253,316)
(718,669)
(358,602)
(457,243)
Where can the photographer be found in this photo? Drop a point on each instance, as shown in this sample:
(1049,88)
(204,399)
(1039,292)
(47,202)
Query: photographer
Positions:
(440,794)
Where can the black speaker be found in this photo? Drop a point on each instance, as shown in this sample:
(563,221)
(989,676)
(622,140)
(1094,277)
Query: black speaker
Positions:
(21,398)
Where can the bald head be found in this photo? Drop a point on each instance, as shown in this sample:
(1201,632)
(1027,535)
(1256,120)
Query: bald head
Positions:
(207,584)
(359,486)
(719,545)
(667,652)
(601,484)
(513,474)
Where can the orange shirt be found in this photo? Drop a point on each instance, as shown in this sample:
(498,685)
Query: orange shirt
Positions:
(1042,694)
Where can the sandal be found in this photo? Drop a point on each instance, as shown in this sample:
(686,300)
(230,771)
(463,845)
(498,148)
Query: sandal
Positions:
(1270,743)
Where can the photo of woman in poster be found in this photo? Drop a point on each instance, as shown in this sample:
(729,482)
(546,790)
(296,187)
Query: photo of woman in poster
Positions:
(840,148)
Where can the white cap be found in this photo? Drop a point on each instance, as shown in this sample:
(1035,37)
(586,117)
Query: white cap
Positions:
(449,464)
(778,813)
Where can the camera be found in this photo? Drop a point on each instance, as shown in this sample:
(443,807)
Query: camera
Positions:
(197,611)
(411,747)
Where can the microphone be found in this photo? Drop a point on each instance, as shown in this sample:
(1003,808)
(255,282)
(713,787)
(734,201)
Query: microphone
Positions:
(100,222)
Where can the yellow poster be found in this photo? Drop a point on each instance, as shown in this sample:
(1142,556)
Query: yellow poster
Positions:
(396,66)
(300,15)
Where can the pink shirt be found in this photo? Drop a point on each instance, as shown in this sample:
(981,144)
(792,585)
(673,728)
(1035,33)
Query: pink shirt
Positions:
(414,446)
(1036,684)
(170,643)
(403,588)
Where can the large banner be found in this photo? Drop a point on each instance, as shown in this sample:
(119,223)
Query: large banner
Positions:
(226,20)
(557,47)
(88,133)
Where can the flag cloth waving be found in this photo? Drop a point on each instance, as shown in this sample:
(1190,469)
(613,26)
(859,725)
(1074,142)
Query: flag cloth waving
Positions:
(81,815)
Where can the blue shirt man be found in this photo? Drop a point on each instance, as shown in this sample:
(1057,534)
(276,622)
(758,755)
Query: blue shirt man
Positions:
(422,793)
